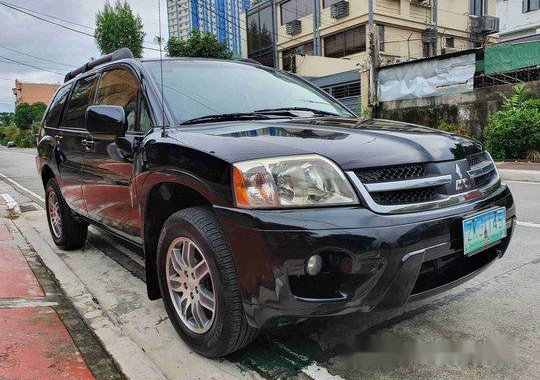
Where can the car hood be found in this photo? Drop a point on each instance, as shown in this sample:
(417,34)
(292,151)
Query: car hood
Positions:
(350,143)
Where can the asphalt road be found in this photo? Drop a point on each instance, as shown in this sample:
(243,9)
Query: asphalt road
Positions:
(484,329)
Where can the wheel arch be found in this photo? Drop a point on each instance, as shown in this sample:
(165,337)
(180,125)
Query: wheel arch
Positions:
(46,174)
(164,199)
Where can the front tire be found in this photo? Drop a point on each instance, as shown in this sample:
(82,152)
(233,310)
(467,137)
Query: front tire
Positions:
(67,231)
(199,284)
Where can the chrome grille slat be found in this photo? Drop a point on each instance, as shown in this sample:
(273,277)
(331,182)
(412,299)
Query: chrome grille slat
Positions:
(409,184)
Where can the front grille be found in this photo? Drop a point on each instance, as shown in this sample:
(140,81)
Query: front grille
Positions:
(391,173)
(484,179)
(476,159)
(426,186)
(402,197)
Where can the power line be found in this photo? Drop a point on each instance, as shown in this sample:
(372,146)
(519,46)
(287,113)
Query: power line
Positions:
(56,23)
(50,16)
(33,56)
(29,65)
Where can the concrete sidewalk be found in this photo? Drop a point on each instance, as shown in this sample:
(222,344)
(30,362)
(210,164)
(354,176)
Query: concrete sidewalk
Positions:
(519,171)
(34,340)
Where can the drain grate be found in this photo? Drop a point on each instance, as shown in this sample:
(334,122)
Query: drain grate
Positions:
(27,208)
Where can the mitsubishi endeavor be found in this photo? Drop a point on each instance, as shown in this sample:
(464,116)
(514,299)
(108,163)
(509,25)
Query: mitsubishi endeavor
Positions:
(258,199)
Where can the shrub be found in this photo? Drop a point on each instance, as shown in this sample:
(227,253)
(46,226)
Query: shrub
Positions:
(514,132)
(8,133)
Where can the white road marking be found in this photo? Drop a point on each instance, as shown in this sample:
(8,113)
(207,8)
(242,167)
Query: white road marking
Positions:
(524,182)
(18,303)
(319,373)
(37,196)
(528,224)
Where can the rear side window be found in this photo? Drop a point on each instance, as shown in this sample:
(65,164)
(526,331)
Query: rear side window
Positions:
(120,88)
(81,98)
(55,110)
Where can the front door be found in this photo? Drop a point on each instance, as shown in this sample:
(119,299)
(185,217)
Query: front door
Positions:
(108,163)
(68,151)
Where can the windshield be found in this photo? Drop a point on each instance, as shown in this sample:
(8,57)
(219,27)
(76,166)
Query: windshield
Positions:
(198,88)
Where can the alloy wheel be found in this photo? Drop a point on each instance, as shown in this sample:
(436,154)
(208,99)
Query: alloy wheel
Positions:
(190,285)
(54,214)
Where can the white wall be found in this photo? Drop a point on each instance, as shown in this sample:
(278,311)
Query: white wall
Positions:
(512,19)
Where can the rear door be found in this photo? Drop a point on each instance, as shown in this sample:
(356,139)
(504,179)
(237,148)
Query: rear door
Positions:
(70,137)
(108,166)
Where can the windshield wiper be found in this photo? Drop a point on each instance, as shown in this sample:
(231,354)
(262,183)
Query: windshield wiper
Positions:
(226,117)
(290,111)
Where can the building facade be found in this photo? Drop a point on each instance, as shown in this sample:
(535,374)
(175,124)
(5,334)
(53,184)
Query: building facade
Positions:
(407,29)
(34,92)
(219,17)
(520,19)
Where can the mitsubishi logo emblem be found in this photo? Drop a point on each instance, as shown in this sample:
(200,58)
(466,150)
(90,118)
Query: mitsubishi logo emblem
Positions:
(462,184)
(458,171)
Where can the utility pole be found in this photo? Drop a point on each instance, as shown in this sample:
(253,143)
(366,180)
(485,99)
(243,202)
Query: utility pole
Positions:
(316,27)
(373,55)
(435,25)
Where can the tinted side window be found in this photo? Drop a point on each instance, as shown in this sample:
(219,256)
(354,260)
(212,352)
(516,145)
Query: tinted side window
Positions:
(55,110)
(82,97)
(120,88)
(146,120)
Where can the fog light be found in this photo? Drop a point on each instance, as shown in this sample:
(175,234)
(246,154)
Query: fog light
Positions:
(314,265)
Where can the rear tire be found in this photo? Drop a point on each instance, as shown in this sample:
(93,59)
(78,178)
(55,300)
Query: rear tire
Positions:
(226,328)
(67,231)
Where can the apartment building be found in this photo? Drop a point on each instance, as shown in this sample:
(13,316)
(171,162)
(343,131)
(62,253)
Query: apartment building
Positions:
(520,19)
(280,33)
(34,92)
(219,17)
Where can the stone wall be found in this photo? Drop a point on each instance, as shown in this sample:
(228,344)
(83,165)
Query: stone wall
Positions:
(469,110)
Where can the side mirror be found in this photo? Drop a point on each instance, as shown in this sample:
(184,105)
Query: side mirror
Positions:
(106,120)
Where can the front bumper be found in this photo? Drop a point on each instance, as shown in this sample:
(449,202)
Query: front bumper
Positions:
(370,259)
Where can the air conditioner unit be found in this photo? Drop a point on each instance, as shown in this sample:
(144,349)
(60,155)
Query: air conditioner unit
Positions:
(293,27)
(339,9)
(484,24)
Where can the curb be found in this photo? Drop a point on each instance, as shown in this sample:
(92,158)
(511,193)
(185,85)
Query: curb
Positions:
(129,357)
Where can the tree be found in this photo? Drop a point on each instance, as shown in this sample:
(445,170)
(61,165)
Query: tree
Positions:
(118,27)
(6,118)
(199,44)
(26,114)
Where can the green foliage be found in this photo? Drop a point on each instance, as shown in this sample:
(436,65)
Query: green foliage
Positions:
(199,44)
(6,118)
(28,114)
(117,27)
(454,128)
(24,138)
(514,132)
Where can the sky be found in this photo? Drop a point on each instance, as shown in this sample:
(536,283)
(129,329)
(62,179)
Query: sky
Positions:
(70,49)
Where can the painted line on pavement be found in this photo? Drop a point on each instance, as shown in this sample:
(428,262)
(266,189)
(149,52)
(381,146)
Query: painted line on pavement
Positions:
(37,196)
(18,303)
(523,182)
(528,224)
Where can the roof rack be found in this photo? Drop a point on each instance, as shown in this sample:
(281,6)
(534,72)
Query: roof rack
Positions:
(114,56)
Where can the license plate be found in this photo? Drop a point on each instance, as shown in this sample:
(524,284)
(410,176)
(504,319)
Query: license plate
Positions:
(482,230)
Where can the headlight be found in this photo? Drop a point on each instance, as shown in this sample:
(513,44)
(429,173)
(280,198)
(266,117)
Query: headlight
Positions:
(296,181)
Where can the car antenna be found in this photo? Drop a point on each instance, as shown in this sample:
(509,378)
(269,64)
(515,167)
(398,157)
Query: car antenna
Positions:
(161,70)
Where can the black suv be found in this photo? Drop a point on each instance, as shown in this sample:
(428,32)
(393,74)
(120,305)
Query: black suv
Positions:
(260,200)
